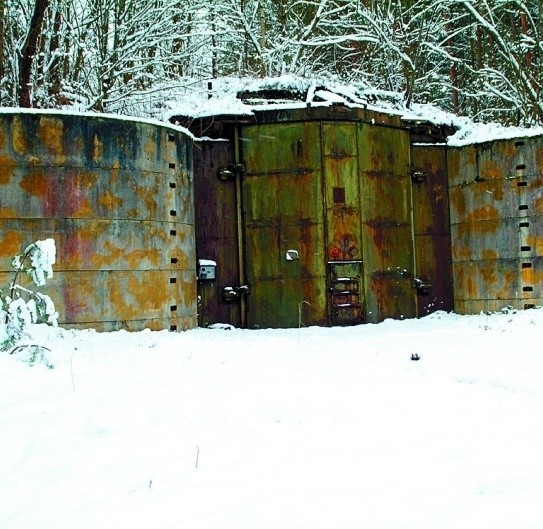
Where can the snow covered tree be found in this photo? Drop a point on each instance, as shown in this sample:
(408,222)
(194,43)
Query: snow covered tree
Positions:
(28,52)
(506,65)
(477,57)
(22,306)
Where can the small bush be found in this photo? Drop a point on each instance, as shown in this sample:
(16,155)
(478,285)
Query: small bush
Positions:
(21,306)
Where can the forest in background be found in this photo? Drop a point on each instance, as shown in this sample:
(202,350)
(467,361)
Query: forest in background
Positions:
(479,58)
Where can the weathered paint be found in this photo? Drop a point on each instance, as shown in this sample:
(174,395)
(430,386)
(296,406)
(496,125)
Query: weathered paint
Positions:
(117,197)
(216,230)
(331,183)
(283,204)
(431,228)
(343,234)
(496,193)
(386,222)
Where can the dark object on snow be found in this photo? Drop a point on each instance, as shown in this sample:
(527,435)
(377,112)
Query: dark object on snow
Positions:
(415,356)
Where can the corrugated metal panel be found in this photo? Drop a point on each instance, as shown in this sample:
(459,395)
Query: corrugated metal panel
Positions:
(282,198)
(496,225)
(431,228)
(117,198)
(386,222)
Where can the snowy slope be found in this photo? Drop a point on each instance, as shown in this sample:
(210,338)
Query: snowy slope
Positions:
(312,428)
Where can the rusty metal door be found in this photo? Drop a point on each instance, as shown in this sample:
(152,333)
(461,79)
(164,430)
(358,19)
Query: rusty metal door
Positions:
(431,228)
(342,202)
(386,222)
(284,225)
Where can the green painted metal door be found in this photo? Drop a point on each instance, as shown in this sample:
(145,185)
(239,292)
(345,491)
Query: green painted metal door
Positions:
(386,222)
(342,200)
(282,201)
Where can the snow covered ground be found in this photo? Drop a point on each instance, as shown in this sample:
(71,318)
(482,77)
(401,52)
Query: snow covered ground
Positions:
(279,429)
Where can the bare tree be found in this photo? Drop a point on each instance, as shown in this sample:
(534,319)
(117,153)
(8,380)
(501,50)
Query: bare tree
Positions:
(28,52)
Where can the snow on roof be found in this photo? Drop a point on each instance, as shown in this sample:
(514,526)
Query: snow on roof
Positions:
(468,132)
(243,96)
(75,113)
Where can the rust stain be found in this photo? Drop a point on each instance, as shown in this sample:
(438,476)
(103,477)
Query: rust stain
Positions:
(462,253)
(490,169)
(484,213)
(508,149)
(84,209)
(134,258)
(147,195)
(148,295)
(79,246)
(76,198)
(8,213)
(7,167)
(539,158)
(18,137)
(527,275)
(458,201)
(493,190)
(11,244)
(150,202)
(132,297)
(538,206)
(150,148)
(35,184)
(478,227)
(79,300)
(536,183)
(114,172)
(488,272)
(453,161)
(489,254)
(117,298)
(97,148)
(471,286)
(110,201)
(50,132)
(2,140)
(65,198)
(536,243)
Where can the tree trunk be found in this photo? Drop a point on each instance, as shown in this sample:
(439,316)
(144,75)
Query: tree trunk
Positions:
(28,51)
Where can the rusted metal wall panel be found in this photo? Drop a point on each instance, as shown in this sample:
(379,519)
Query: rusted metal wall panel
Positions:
(216,230)
(431,226)
(282,198)
(336,112)
(117,197)
(386,222)
(342,200)
(496,225)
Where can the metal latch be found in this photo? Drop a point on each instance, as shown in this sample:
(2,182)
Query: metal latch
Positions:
(417,176)
(232,294)
(423,286)
(230,172)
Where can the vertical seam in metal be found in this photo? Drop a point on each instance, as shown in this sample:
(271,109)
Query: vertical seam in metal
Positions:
(325,224)
(412,214)
(362,283)
(240,226)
